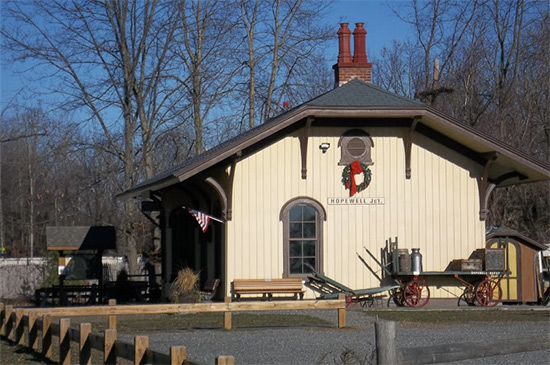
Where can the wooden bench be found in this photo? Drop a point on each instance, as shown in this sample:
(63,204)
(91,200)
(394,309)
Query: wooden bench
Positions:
(267,287)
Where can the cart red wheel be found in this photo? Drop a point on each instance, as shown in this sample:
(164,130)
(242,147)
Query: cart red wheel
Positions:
(488,293)
(416,294)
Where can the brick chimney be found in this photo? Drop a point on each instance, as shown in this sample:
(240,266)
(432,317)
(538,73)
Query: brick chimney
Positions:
(349,68)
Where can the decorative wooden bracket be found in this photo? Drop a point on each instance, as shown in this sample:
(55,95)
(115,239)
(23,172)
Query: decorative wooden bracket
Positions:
(304,136)
(229,209)
(408,146)
(485,186)
(221,192)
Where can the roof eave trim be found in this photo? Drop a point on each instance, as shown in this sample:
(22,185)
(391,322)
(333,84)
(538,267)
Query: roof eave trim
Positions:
(300,113)
(134,192)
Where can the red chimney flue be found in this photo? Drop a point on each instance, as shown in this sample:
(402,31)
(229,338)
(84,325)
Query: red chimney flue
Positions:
(359,45)
(349,68)
(344,50)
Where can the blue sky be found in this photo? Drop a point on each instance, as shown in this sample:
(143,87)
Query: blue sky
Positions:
(381,24)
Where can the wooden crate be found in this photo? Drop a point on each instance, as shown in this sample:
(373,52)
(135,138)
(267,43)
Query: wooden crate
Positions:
(494,259)
(467,265)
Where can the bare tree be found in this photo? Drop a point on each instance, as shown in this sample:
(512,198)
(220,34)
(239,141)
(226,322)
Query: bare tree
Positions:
(205,47)
(284,42)
(113,58)
(439,27)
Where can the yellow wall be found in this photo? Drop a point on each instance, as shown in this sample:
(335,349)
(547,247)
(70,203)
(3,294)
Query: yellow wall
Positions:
(436,210)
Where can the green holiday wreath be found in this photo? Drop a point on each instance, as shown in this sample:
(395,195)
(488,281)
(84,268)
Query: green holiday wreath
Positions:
(350,171)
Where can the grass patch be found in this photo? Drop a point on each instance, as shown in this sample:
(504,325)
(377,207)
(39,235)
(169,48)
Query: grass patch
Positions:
(138,324)
(459,317)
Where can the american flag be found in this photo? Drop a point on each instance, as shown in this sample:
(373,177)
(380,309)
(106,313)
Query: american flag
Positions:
(202,219)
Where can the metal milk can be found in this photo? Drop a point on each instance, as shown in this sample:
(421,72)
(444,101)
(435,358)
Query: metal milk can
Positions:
(416,261)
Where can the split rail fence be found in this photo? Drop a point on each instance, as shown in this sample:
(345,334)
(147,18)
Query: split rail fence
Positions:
(16,321)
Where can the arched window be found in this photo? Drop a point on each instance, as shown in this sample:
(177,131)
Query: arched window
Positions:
(303,236)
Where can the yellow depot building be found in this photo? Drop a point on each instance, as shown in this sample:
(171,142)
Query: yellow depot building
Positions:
(314,185)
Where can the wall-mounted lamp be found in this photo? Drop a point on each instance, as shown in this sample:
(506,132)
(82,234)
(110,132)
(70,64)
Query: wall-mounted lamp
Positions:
(324,146)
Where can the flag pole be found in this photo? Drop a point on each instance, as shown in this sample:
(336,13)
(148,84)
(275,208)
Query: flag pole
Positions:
(208,215)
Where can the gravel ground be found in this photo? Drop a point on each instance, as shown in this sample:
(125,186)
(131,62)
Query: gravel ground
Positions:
(330,345)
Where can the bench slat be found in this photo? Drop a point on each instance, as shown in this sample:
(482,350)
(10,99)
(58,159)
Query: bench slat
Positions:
(267,286)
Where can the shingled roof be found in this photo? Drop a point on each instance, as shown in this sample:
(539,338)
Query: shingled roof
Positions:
(360,94)
(74,238)
(359,99)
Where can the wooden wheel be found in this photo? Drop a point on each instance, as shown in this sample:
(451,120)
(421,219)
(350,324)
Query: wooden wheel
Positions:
(416,294)
(397,296)
(488,293)
(469,295)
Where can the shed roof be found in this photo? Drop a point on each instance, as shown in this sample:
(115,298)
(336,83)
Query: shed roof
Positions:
(360,100)
(508,232)
(80,238)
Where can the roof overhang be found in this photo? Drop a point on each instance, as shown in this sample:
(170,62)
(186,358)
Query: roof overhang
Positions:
(509,166)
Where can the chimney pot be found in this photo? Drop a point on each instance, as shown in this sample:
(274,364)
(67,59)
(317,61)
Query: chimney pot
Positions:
(344,51)
(349,67)
(359,45)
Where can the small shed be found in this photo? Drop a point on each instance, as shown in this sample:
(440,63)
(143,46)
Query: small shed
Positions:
(85,244)
(521,285)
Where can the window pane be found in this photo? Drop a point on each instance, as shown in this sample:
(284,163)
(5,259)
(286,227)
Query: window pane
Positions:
(296,214)
(295,248)
(308,264)
(309,248)
(295,230)
(309,230)
(309,213)
(295,266)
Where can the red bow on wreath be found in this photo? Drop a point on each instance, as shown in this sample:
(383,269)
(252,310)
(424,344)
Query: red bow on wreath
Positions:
(355,168)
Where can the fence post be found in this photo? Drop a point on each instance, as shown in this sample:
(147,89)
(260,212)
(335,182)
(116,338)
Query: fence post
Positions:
(141,344)
(64,341)
(112,317)
(178,355)
(342,312)
(2,317)
(47,349)
(386,352)
(84,344)
(33,330)
(225,360)
(109,350)
(227,314)
(8,323)
(19,327)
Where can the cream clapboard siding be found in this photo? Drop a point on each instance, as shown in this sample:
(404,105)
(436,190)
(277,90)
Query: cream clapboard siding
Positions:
(436,210)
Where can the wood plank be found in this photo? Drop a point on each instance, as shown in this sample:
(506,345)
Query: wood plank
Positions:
(97,342)
(84,344)
(19,328)
(188,308)
(178,355)
(141,344)
(33,331)
(227,320)
(385,342)
(472,350)
(47,345)
(112,318)
(2,317)
(341,313)
(154,357)
(64,341)
(109,348)
(225,360)
(8,322)
(125,350)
